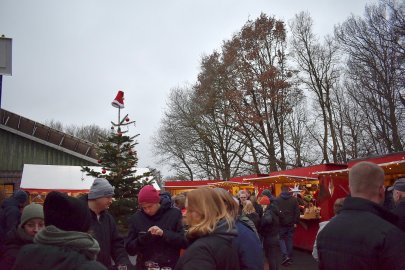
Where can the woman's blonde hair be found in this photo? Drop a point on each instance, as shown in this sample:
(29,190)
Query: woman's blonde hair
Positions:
(207,203)
(248,208)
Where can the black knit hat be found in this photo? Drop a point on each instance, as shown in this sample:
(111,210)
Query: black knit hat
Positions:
(21,196)
(67,213)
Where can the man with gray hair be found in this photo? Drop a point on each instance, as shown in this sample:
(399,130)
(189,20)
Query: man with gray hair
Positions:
(398,194)
(363,235)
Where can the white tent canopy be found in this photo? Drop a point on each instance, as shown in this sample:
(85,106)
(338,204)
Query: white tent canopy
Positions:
(44,178)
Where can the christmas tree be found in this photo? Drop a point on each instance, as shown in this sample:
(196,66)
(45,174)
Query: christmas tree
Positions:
(118,159)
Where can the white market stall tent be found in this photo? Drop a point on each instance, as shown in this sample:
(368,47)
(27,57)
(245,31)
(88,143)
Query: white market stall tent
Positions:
(41,179)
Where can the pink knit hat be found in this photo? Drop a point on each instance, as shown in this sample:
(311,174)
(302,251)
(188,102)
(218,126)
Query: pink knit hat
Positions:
(148,194)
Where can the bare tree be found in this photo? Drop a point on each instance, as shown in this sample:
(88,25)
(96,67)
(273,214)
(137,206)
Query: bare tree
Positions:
(174,140)
(375,69)
(319,74)
(90,133)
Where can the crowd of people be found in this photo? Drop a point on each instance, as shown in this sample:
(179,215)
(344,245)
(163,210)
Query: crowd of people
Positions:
(206,228)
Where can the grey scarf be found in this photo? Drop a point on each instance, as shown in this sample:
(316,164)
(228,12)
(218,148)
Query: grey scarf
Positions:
(82,242)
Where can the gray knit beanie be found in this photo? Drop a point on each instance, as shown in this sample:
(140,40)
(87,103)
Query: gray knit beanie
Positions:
(31,211)
(100,188)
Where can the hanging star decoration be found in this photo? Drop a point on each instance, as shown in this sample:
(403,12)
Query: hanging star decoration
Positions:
(296,189)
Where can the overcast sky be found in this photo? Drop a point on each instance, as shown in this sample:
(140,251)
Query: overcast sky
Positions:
(71,57)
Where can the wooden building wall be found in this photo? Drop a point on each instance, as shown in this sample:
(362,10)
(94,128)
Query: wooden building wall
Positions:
(15,151)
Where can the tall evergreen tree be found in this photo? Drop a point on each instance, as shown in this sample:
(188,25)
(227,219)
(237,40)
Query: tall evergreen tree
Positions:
(118,158)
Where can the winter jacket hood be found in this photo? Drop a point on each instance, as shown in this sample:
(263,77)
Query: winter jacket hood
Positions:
(84,242)
(59,250)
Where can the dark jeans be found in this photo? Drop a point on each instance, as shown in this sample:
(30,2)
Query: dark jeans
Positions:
(286,240)
(272,251)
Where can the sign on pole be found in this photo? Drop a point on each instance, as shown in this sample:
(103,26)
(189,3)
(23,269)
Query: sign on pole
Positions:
(5,55)
(5,60)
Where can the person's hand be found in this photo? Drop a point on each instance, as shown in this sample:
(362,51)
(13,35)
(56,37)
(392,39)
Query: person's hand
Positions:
(155,230)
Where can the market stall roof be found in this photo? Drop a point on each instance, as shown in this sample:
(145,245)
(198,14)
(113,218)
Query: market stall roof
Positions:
(281,178)
(301,174)
(241,179)
(45,178)
(392,170)
(188,184)
(229,184)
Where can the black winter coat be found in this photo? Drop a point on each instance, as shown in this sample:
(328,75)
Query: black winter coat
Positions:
(46,257)
(270,224)
(258,208)
(111,243)
(211,252)
(15,240)
(362,237)
(10,215)
(289,209)
(399,210)
(165,250)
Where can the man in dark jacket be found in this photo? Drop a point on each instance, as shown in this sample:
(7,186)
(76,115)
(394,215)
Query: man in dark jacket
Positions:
(363,235)
(10,213)
(156,230)
(289,218)
(398,195)
(103,225)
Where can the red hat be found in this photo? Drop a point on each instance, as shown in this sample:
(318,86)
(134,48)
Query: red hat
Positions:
(148,194)
(118,102)
(264,200)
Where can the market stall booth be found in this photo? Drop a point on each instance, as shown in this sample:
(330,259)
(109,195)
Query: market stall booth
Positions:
(307,187)
(233,185)
(334,183)
(239,183)
(39,180)
(177,187)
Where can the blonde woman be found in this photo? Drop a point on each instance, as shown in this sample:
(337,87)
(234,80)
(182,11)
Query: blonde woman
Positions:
(249,211)
(211,232)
